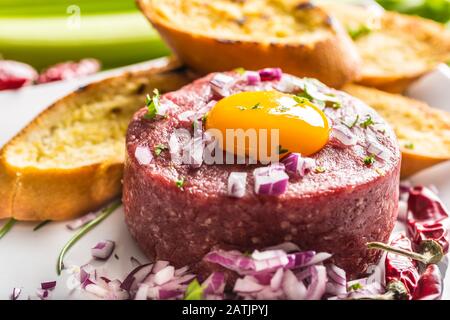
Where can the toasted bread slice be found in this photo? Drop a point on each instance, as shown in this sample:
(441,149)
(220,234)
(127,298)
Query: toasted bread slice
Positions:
(220,35)
(69,160)
(396,49)
(423,132)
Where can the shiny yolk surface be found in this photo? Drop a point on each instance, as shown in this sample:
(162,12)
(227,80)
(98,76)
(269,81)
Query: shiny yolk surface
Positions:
(302,126)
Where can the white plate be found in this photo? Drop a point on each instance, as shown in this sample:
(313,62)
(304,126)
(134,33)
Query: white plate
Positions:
(29,258)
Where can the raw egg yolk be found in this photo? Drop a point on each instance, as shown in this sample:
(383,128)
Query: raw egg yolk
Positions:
(302,126)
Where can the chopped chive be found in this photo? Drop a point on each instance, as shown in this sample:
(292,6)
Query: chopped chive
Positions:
(160,148)
(409,145)
(355,286)
(152,104)
(180,183)
(282,150)
(257,106)
(368,122)
(359,32)
(40,225)
(320,169)
(7,226)
(194,291)
(85,229)
(369,160)
(241,70)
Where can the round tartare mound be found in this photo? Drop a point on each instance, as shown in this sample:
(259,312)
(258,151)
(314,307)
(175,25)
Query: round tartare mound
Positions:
(180,212)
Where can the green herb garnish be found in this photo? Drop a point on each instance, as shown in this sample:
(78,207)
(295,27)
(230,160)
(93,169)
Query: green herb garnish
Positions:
(359,32)
(85,229)
(6,227)
(194,291)
(241,71)
(409,145)
(281,150)
(301,98)
(160,148)
(351,125)
(257,106)
(355,286)
(205,116)
(336,105)
(40,225)
(152,104)
(242,108)
(369,160)
(320,169)
(368,122)
(180,183)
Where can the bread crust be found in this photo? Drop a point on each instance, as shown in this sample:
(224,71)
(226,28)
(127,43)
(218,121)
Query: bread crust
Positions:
(33,193)
(333,60)
(428,128)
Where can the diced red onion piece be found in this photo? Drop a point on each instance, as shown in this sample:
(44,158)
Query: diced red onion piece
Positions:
(277,279)
(378,150)
(15,293)
(297,164)
(142,292)
(237,182)
(343,136)
(193,152)
(214,284)
(143,155)
(293,289)
(103,249)
(253,77)
(69,70)
(49,285)
(42,294)
(78,223)
(270,74)
(271,180)
(337,281)
(186,116)
(164,275)
(317,287)
(159,265)
(135,277)
(97,290)
(289,84)
(247,284)
(181,271)
(220,83)
(318,258)
(14,75)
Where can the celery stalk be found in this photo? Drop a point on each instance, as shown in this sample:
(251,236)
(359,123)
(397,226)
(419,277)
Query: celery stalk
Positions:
(114,39)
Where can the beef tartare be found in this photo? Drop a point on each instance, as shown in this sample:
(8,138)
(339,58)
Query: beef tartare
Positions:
(336,199)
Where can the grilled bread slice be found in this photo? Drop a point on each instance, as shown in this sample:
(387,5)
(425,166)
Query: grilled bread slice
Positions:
(423,132)
(219,35)
(395,48)
(69,160)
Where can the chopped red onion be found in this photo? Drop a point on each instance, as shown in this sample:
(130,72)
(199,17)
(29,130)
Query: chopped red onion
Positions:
(97,290)
(247,284)
(135,277)
(50,285)
(297,164)
(42,294)
(220,83)
(214,284)
(317,287)
(270,74)
(193,152)
(142,292)
(292,287)
(164,275)
(277,279)
(289,84)
(103,249)
(343,136)
(15,293)
(253,77)
(159,265)
(187,116)
(337,281)
(271,180)
(377,150)
(237,182)
(78,223)
(143,155)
